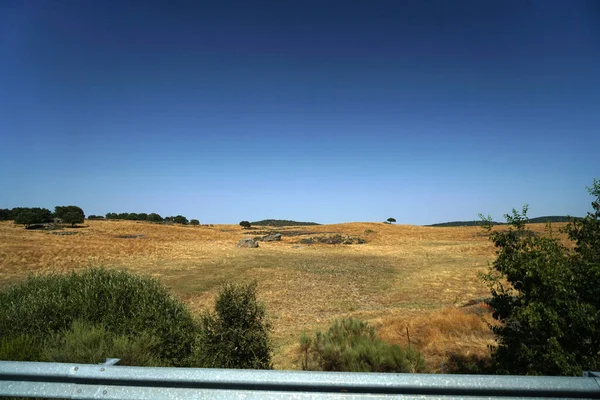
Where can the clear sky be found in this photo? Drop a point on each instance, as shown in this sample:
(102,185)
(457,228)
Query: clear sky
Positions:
(326,111)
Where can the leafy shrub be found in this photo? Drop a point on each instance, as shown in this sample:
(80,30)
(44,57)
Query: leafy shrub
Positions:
(468,364)
(351,345)
(236,334)
(124,303)
(547,297)
(95,217)
(85,343)
(194,222)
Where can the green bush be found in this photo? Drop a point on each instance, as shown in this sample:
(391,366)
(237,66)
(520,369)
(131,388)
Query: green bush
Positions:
(352,346)
(468,364)
(19,348)
(236,334)
(124,303)
(546,296)
(85,343)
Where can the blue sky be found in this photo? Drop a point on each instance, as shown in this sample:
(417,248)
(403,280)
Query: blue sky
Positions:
(326,111)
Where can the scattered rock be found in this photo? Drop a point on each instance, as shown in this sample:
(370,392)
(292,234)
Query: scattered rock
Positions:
(257,238)
(250,243)
(333,239)
(274,237)
(129,236)
(64,233)
(34,227)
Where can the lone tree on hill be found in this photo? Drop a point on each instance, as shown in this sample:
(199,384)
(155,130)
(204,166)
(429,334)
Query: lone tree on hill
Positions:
(194,222)
(391,220)
(546,296)
(245,224)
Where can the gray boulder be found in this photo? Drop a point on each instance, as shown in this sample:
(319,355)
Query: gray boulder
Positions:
(273,237)
(250,243)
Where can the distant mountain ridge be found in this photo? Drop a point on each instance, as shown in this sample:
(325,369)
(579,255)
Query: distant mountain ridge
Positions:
(536,220)
(281,222)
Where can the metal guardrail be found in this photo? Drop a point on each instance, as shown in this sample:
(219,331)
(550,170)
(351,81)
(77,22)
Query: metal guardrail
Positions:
(108,381)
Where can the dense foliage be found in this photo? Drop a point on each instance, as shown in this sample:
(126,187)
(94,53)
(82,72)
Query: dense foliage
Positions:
(153,217)
(32,216)
(95,217)
(245,224)
(236,334)
(194,222)
(546,295)
(69,214)
(122,303)
(6,214)
(351,346)
(180,219)
(281,222)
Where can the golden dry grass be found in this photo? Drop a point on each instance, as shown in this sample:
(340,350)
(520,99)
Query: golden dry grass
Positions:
(404,276)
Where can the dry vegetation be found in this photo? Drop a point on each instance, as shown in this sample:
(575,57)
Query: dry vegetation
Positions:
(404,276)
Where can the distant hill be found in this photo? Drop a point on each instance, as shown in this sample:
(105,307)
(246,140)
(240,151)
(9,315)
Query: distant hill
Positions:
(281,222)
(462,223)
(551,218)
(536,220)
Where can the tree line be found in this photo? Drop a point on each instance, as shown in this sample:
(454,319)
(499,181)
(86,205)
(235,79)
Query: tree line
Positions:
(152,217)
(30,216)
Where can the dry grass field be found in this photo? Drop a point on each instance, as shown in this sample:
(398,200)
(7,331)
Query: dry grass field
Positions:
(404,276)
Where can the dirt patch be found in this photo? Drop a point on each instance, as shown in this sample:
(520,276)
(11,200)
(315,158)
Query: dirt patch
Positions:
(129,236)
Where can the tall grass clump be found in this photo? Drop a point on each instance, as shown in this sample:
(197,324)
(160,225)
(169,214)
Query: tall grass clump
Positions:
(19,348)
(85,343)
(121,303)
(351,346)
